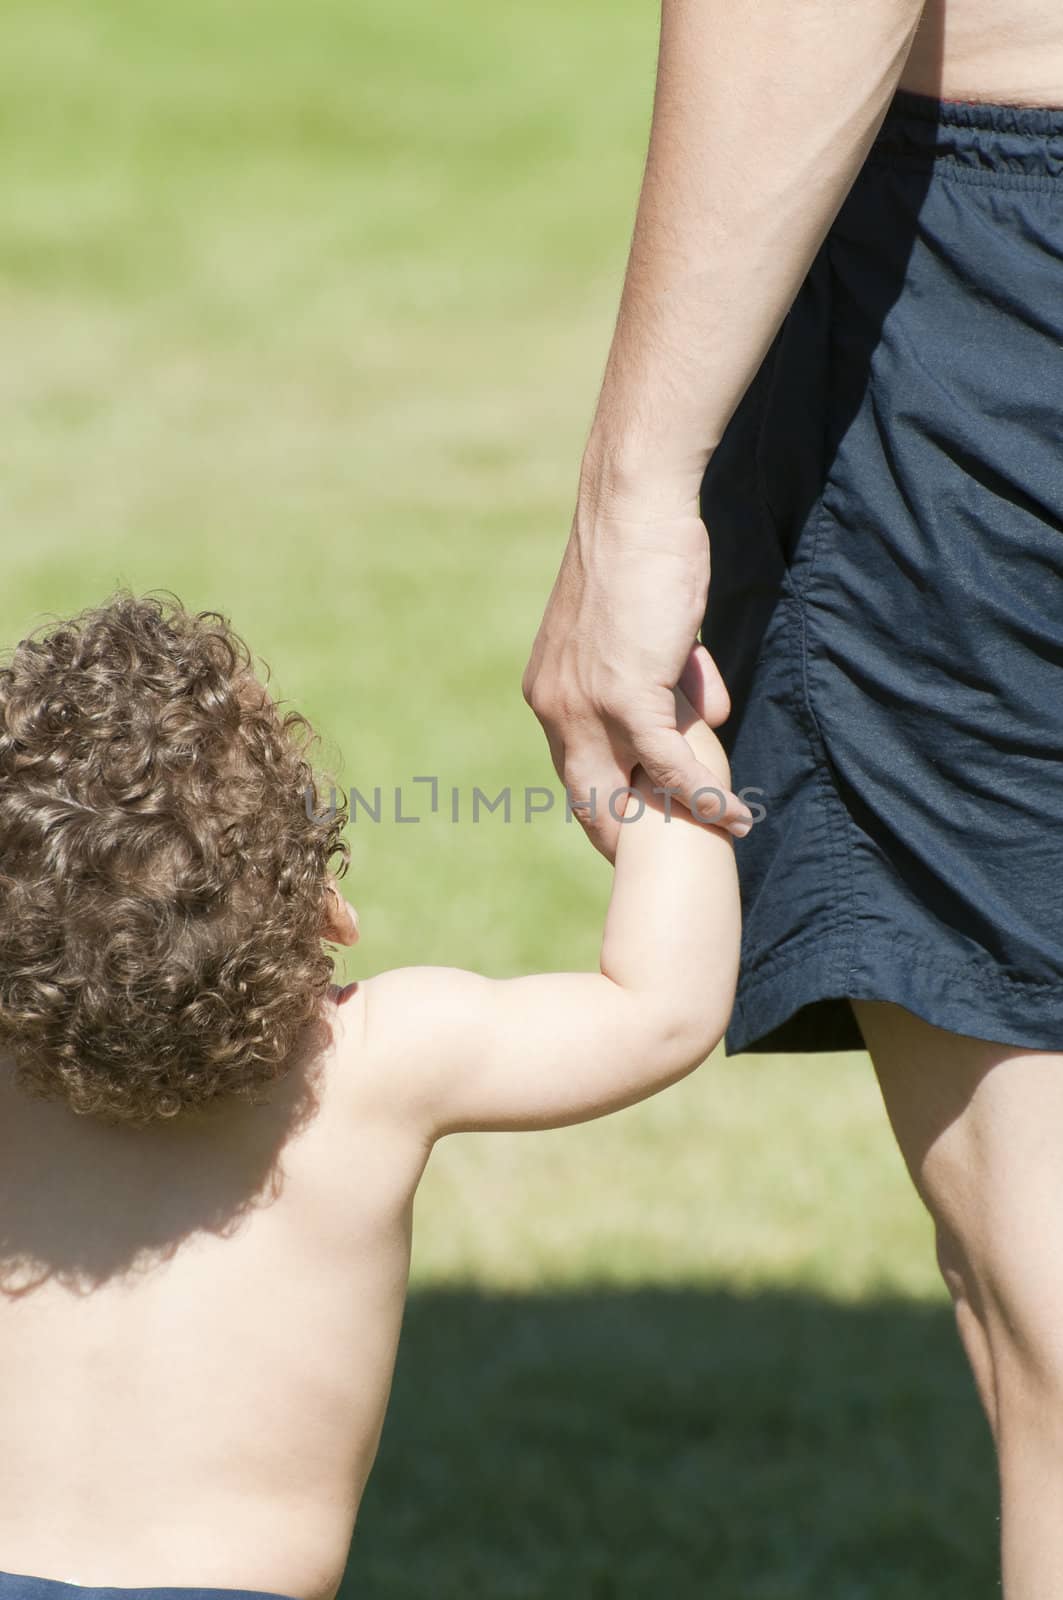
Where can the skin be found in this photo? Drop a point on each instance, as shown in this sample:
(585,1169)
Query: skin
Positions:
(198,1321)
(763,114)
(734,206)
(980,1126)
(197,1327)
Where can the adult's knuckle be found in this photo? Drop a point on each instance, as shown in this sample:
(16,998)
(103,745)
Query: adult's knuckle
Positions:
(658,762)
(542,700)
(579,781)
(563,708)
(710,802)
(617,701)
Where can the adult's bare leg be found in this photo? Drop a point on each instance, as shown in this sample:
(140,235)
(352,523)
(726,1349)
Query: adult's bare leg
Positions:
(980,1126)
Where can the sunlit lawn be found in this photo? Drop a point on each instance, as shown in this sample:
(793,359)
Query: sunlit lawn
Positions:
(303,311)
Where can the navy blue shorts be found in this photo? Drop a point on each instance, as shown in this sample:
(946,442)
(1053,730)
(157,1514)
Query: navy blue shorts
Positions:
(18,1586)
(885,517)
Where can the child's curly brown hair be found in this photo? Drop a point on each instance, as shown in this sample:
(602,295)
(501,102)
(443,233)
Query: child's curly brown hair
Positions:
(164,864)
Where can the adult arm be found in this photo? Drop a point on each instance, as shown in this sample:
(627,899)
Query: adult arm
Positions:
(763,114)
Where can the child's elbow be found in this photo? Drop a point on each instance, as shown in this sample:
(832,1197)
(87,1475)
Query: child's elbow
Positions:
(689,1036)
(705,1036)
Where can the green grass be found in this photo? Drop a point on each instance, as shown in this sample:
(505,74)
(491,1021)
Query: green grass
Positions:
(303,313)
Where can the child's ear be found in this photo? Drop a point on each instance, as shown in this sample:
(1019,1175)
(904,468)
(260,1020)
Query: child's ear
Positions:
(341,921)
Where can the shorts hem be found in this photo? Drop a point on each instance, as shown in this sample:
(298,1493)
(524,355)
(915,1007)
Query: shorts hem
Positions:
(974,999)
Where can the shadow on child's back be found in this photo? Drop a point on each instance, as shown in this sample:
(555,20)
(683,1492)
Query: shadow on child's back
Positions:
(83,1202)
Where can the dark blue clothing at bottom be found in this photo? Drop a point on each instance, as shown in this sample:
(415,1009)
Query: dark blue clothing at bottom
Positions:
(19,1586)
(885,519)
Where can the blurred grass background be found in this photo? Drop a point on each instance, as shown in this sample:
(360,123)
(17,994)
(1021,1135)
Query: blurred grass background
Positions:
(303,310)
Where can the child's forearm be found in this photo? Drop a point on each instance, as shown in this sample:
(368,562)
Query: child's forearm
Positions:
(465,1051)
(672,927)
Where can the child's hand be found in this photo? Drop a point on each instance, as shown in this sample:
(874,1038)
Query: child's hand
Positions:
(697,687)
(702,740)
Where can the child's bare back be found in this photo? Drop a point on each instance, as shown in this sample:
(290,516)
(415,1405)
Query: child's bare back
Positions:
(197,1331)
(199,1313)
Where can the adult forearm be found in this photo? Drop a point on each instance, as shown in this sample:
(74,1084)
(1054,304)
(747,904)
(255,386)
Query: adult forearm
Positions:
(763,114)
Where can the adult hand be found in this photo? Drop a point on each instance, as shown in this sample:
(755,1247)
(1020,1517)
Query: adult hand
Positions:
(619,632)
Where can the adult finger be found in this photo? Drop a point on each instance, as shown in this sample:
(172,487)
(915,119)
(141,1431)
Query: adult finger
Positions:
(590,772)
(670,764)
(596,794)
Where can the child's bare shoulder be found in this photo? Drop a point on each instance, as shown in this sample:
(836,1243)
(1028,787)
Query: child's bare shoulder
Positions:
(407,1025)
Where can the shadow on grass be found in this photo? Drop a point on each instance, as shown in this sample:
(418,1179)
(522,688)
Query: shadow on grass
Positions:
(680,1443)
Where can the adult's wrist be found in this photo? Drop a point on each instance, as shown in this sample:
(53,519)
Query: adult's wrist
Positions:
(620,482)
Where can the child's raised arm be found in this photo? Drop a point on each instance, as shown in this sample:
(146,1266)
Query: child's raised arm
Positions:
(450,1050)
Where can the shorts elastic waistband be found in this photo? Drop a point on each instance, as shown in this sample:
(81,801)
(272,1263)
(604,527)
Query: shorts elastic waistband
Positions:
(980,136)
